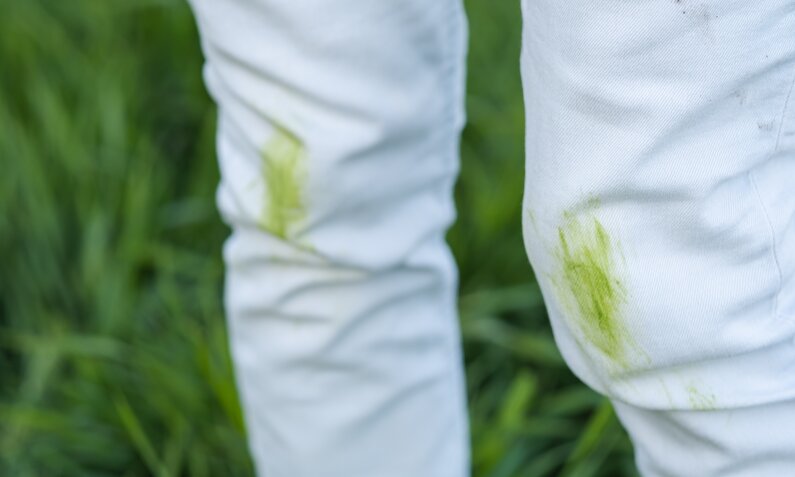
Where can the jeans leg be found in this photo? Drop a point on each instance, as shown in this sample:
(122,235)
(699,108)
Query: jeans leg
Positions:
(338,139)
(659,217)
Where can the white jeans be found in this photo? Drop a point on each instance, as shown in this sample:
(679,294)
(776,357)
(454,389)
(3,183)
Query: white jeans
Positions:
(659,220)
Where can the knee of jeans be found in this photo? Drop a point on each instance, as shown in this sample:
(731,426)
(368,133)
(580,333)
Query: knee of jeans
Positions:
(664,303)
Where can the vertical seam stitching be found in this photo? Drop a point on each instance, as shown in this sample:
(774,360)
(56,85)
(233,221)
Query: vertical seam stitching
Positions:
(774,245)
(783,112)
(761,202)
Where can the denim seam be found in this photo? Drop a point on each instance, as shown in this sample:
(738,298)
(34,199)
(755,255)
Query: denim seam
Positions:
(773,242)
(760,200)
(783,114)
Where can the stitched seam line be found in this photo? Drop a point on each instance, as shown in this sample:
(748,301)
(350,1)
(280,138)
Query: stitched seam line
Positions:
(783,112)
(774,245)
(765,213)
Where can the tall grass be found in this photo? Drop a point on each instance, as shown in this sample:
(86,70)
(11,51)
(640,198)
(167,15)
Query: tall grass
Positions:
(113,355)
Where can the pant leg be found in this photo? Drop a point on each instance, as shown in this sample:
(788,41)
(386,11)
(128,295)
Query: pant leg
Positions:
(338,145)
(660,218)
(735,442)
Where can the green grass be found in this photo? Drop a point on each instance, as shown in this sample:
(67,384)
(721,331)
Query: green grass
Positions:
(113,357)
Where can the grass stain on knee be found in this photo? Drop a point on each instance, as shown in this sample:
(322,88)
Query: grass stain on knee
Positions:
(284,176)
(591,287)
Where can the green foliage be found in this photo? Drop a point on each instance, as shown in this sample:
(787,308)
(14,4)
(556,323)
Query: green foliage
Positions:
(113,352)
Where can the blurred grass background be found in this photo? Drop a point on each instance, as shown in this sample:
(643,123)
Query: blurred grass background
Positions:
(113,354)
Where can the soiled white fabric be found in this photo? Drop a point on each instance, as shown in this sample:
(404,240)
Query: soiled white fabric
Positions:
(659,219)
(338,145)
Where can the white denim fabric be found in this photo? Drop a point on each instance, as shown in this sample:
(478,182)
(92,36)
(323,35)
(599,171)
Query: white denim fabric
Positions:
(338,139)
(659,218)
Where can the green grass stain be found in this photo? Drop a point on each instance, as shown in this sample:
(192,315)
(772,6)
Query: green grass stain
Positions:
(591,288)
(699,400)
(284,175)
